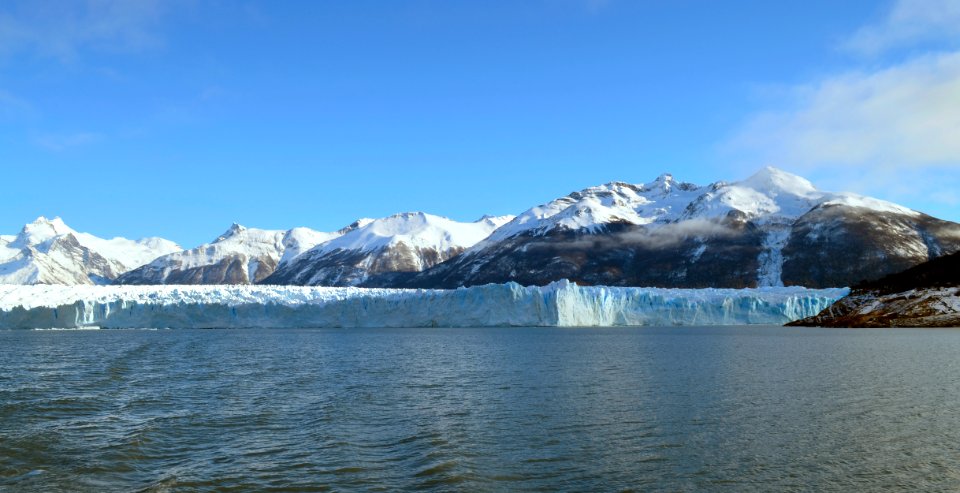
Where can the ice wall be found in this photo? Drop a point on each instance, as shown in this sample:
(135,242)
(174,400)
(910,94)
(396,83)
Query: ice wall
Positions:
(558,304)
(613,306)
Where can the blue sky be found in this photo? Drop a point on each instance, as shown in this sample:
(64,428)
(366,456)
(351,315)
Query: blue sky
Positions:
(176,118)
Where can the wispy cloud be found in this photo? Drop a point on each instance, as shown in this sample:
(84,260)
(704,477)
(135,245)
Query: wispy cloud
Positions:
(663,236)
(64,29)
(62,142)
(907,22)
(13,107)
(904,115)
(890,126)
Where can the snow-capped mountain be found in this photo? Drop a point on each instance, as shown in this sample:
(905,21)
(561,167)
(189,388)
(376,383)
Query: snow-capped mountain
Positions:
(47,251)
(773,228)
(379,252)
(238,256)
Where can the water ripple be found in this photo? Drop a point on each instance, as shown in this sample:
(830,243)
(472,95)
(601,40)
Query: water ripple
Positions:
(678,409)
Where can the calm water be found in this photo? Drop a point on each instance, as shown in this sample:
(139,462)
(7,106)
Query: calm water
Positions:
(672,409)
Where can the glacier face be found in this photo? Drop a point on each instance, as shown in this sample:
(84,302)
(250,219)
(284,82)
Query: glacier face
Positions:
(560,304)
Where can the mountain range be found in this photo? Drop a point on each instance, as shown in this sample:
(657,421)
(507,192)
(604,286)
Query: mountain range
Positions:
(771,229)
(239,256)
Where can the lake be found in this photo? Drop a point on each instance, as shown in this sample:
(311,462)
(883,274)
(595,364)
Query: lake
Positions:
(519,409)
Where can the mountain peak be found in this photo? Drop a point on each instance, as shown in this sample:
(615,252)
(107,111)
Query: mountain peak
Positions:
(42,229)
(359,223)
(663,182)
(664,178)
(770,179)
(56,223)
(407,216)
(666,184)
(234,230)
(495,221)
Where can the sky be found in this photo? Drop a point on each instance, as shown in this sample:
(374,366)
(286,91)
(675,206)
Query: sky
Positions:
(176,118)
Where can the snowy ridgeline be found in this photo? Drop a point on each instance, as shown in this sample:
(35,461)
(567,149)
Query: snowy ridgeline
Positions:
(560,304)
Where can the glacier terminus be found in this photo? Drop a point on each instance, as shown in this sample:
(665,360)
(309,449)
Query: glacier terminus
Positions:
(559,304)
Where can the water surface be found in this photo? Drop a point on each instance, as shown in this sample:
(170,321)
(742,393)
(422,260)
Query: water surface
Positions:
(653,409)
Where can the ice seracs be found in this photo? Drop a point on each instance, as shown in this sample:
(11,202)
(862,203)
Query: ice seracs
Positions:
(47,251)
(559,304)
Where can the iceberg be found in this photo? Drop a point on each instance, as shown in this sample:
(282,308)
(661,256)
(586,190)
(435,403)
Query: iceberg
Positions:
(559,304)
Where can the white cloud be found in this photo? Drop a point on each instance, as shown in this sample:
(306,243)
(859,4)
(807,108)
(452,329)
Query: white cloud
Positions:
(63,29)
(905,115)
(908,22)
(889,128)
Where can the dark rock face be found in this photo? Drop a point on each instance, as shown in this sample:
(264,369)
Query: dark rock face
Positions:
(238,256)
(836,245)
(830,246)
(928,307)
(96,266)
(47,251)
(229,270)
(619,255)
(383,267)
(942,272)
(927,295)
(96,269)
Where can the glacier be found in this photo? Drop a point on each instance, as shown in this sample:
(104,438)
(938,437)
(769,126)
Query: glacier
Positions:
(559,304)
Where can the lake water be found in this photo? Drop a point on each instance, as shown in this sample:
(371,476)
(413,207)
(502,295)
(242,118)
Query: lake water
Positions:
(645,409)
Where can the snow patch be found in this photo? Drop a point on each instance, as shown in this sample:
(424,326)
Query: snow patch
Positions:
(770,272)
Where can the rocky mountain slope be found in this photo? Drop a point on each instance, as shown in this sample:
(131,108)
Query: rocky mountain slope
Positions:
(771,229)
(238,256)
(47,251)
(382,252)
(927,295)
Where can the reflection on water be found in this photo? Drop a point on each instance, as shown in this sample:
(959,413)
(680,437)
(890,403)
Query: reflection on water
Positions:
(480,409)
